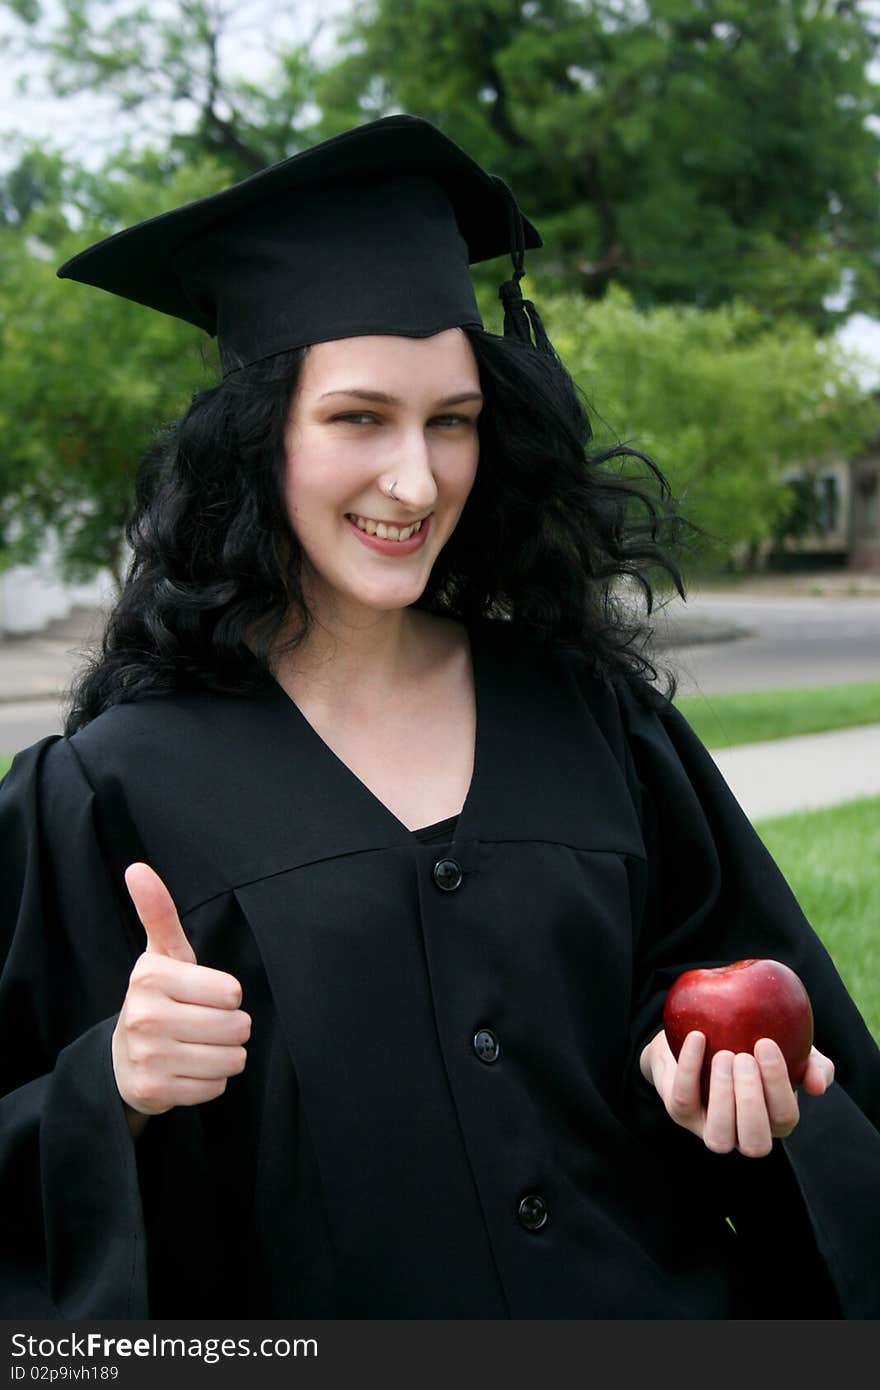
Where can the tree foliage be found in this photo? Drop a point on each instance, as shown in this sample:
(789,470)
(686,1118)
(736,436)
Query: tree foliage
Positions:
(720,399)
(704,176)
(172,64)
(87,378)
(689,150)
(686,149)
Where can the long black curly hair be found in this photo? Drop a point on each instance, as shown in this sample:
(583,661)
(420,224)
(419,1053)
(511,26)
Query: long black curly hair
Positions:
(555,536)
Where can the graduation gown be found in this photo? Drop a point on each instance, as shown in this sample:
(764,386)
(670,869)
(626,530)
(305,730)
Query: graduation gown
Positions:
(442,1113)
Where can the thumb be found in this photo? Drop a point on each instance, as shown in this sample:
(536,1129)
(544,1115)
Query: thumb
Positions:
(155,907)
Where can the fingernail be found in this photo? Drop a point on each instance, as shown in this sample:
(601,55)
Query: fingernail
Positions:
(723,1064)
(765,1050)
(744,1066)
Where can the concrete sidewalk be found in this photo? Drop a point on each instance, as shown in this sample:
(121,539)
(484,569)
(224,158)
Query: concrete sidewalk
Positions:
(803,773)
(41,666)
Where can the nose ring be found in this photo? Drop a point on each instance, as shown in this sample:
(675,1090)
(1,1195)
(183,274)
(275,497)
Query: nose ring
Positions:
(391,487)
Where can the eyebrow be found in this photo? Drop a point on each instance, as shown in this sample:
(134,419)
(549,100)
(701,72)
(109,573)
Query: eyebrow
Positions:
(365,395)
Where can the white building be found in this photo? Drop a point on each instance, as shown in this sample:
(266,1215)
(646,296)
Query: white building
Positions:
(31,596)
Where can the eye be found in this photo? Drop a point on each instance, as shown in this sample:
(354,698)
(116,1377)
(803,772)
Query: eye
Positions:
(361,417)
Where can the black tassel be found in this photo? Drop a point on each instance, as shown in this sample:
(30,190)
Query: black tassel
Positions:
(516,322)
(521,318)
(542,342)
(520,315)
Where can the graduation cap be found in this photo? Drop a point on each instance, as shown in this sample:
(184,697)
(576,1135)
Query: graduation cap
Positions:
(371,231)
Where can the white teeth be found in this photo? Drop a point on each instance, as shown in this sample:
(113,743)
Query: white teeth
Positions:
(384,530)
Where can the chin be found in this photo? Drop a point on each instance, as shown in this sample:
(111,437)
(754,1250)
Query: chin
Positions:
(392,603)
(393,594)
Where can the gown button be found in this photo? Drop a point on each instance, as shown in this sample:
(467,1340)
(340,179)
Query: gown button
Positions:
(447,874)
(532,1213)
(486,1045)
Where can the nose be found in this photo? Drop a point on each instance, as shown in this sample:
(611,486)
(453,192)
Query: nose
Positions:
(410,469)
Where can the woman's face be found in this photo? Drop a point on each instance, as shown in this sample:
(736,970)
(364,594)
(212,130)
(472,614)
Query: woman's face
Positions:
(366,412)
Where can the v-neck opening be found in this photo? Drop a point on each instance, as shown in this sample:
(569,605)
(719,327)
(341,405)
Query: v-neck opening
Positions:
(474,647)
(438,832)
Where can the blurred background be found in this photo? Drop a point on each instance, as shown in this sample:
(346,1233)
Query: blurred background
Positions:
(704,176)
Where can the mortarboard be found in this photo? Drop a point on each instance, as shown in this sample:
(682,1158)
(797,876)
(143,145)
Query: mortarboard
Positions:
(371,231)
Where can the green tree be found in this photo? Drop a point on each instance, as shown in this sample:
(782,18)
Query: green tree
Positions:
(688,150)
(86,379)
(171,64)
(703,176)
(721,400)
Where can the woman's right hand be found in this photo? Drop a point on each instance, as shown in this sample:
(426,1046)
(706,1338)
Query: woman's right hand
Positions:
(181,1032)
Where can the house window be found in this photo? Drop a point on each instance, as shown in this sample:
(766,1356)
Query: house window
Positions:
(827,503)
(867,518)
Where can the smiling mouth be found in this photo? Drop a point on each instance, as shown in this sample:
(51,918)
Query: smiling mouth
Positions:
(386,530)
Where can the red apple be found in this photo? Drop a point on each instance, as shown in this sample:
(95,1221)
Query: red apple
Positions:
(735,1005)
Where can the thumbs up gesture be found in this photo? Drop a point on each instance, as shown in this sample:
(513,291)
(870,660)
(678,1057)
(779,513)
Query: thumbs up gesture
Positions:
(181,1032)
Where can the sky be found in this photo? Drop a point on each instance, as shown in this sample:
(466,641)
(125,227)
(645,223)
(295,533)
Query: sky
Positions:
(87,127)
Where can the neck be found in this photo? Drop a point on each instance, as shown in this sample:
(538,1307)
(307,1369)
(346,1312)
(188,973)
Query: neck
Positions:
(361,660)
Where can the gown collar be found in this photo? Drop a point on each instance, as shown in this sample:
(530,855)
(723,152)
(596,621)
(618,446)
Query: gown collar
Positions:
(220,791)
(542,770)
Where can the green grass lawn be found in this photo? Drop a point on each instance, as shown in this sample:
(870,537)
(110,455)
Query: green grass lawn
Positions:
(5,761)
(831,859)
(722,721)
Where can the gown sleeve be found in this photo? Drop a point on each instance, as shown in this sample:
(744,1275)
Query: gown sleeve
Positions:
(70,1210)
(713,894)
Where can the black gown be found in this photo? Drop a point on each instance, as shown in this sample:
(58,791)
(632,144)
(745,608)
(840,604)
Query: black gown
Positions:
(442,1113)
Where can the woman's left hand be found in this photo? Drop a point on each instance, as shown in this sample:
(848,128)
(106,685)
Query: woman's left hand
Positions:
(751,1100)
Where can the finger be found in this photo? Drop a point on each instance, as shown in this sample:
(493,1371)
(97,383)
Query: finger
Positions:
(193,1023)
(753,1137)
(685,1103)
(719,1131)
(183,982)
(176,1091)
(159,1016)
(779,1097)
(819,1074)
(205,1062)
(186,1090)
(657,1062)
(156,910)
(647,1063)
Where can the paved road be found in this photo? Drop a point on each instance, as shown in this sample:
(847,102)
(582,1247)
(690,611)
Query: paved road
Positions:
(782,642)
(21,724)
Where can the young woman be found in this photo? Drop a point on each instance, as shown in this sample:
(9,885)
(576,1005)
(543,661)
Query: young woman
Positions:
(341,919)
